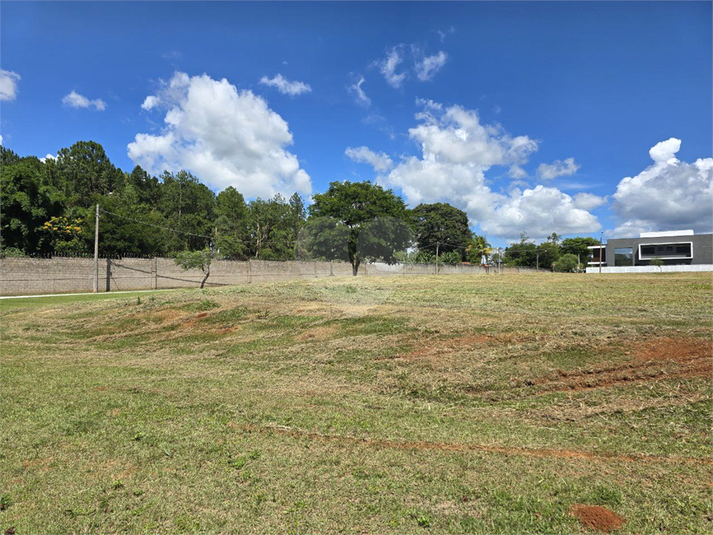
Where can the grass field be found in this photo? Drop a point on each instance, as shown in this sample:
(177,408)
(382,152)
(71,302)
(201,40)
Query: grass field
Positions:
(474,404)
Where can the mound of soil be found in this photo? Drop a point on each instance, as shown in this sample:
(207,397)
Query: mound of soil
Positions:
(598,518)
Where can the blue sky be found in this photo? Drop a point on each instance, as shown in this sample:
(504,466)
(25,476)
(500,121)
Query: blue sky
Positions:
(573,117)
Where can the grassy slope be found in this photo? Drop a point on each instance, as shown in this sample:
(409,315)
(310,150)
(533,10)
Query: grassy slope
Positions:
(443,404)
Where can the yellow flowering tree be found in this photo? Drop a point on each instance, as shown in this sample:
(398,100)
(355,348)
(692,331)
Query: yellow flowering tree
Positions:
(67,235)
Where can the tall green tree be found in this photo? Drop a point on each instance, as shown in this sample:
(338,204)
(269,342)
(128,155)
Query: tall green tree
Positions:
(272,235)
(298,213)
(146,186)
(376,219)
(441,227)
(84,171)
(231,224)
(188,206)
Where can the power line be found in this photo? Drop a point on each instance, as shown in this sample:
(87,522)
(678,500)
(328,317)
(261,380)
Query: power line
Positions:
(209,238)
(155,226)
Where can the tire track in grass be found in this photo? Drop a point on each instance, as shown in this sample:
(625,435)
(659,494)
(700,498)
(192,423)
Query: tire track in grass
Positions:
(464,447)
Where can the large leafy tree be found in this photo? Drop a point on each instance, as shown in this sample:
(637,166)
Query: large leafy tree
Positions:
(376,220)
(128,226)
(548,252)
(26,204)
(441,227)
(578,246)
(522,253)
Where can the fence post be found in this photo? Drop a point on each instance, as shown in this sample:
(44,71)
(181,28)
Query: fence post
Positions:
(96,252)
(154,273)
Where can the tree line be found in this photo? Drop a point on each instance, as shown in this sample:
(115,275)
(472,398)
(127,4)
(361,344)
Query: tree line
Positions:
(47,208)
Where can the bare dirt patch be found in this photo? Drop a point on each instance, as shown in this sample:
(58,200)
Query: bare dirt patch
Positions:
(662,358)
(190,323)
(675,349)
(597,517)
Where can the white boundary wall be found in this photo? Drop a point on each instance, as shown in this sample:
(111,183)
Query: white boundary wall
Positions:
(652,269)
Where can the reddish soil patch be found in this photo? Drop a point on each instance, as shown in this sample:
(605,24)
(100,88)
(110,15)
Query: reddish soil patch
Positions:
(662,358)
(228,329)
(675,349)
(192,322)
(460,447)
(597,518)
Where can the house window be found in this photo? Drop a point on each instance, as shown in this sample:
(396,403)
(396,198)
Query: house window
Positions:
(666,250)
(624,256)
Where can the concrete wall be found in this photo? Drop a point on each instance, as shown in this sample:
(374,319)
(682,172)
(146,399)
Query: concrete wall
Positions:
(27,276)
(652,269)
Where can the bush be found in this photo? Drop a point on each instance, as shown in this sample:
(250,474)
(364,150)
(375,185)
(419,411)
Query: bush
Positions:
(566,264)
(11,252)
(451,257)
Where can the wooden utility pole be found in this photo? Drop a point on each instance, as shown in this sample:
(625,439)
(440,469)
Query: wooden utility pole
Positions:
(437,245)
(96,252)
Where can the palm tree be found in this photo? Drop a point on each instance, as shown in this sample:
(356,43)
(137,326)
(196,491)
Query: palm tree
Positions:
(478,247)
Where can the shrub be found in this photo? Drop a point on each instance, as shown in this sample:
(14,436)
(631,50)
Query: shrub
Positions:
(566,263)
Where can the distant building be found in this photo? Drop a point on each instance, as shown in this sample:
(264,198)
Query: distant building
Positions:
(674,248)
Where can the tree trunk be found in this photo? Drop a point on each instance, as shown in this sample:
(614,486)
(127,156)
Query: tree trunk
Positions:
(207,274)
(355,266)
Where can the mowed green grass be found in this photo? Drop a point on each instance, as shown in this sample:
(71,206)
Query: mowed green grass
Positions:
(451,404)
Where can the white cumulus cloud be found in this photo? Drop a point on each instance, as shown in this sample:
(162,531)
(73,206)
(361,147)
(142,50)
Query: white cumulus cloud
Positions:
(75,100)
(48,157)
(380,162)
(557,168)
(8,84)
(358,93)
(665,151)
(517,172)
(0,140)
(227,137)
(428,66)
(456,151)
(284,86)
(588,201)
(539,212)
(388,66)
(150,102)
(667,195)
